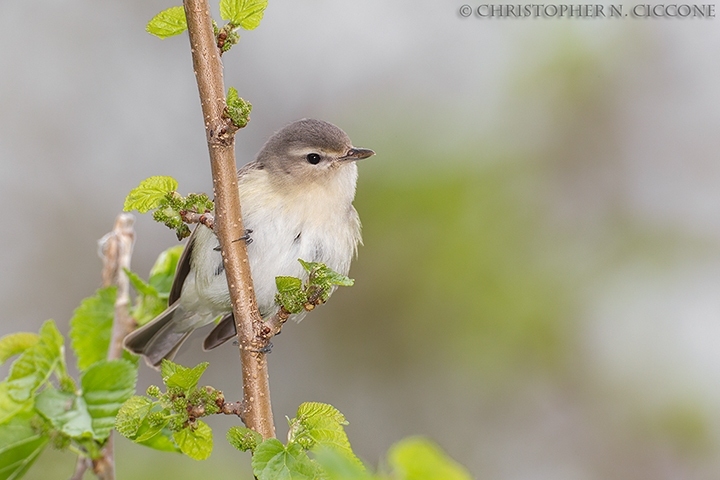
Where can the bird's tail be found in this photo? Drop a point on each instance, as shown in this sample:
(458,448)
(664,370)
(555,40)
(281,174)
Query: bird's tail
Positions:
(159,338)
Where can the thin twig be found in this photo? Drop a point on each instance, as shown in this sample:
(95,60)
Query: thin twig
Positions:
(116,251)
(274,324)
(81,466)
(116,248)
(228,222)
(207,219)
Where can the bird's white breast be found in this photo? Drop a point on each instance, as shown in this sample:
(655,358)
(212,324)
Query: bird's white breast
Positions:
(316,223)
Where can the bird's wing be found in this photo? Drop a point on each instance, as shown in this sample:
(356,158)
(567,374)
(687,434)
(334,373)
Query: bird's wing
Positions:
(183,268)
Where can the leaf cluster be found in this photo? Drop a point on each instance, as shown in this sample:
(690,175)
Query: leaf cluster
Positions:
(318,448)
(152,296)
(159,193)
(170,420)
(245,14)
(295,296)
(238,109)
(41,404)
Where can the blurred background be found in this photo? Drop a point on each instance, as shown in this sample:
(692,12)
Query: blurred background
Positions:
(538,290)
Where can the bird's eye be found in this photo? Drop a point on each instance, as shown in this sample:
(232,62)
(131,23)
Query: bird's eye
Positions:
(313,158)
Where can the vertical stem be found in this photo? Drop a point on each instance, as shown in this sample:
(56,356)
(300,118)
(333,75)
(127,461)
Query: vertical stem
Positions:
(116,251)
(120,248)
(228,222)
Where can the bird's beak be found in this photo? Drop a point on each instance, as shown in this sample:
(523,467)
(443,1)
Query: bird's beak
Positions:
(357,154)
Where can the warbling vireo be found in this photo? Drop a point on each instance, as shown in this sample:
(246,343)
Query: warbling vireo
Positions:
(296,202)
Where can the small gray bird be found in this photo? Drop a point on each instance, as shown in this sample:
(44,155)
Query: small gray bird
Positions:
(296,202)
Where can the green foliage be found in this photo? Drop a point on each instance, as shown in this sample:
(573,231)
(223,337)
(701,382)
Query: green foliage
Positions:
(20,446)
(184,378)
(162,272)
(318,447)
(168,23)
(40,403)
(91,327)
(170,420)
(15,344)
(419,459)
(149,194)
(195,441)
(66,412)
(152,296)
(296,297)
(237,109)
(272,460)
(32,369)
(243,438)
(291,294)
(243,13)
(158,193)
(322,279)
(321,426)
(106,385)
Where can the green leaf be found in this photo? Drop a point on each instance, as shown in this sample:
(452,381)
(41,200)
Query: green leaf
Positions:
(105,386)
(196,443)
(337,466)
(420,459)
(238,109)
(243,438)
(131,415)
(175,375)
(163,271)
(273,461)
(322,274)
(20,446)
(140,285)
(148,430)
(290,294)
(15,344)
(148,303)
(148,307)
(153,295)
(66,412)
(244,13)
(309,412)
(166,24)
(161,440)
(133,422)
(151,191)
(29,371)
(91,327)
(288,284)
(319,425)
(9,407)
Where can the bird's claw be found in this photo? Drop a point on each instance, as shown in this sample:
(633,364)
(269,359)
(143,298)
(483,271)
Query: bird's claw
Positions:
(245,237)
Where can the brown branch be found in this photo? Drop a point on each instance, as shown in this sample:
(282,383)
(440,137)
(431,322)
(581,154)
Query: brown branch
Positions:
(81,466)
(274,324)
(116,251)
(228,222)
(233,408)
(207,219)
